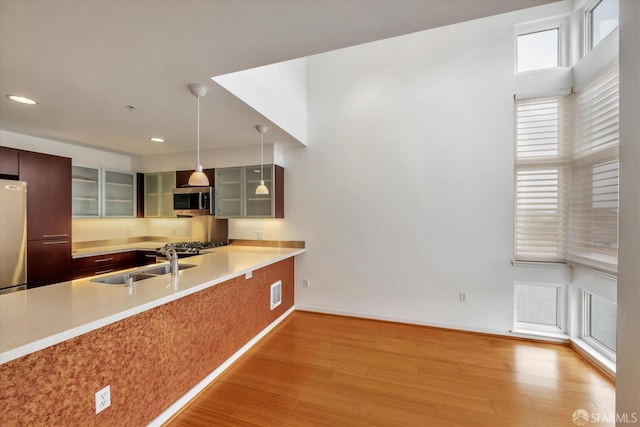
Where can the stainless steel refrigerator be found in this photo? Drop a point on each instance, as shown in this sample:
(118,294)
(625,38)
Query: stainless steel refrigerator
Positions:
(13,235)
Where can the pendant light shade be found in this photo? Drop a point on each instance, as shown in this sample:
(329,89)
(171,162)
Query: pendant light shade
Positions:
(262,189)
(198,178)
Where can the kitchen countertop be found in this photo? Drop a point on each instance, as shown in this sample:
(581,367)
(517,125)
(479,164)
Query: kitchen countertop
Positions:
(41,317)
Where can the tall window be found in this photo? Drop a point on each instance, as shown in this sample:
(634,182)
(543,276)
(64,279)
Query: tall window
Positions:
(593,236)
(566,199)
(541,178)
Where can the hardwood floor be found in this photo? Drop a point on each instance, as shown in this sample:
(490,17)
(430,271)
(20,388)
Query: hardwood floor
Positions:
(323,370)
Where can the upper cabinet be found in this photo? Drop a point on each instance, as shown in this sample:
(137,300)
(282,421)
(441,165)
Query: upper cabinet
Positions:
(48,195)
(103,193)
(229,192)
(158,194)
(85,185)
(119,194)
(235,192)
(9,162)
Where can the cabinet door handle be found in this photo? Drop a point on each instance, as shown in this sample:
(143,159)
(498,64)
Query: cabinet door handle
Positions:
(103,259)
(104,271)
(58,242)
(150,256)
(49,236)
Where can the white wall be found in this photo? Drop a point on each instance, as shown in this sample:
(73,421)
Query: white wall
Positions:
(227,157)
(628,365)
(404,193)
(277,91)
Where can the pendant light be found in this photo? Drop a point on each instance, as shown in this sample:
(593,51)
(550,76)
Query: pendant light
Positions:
(198,178)
(262,189)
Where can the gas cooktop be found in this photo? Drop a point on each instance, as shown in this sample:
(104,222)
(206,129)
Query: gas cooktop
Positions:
(185,249)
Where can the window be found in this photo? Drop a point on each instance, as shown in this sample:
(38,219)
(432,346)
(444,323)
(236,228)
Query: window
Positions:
(599,323)
(566,177)
(539,307)
(601,19)
(593,222)
(538,50)
(541,178)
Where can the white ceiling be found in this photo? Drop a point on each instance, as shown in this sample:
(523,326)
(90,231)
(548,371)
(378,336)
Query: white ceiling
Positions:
(85,60)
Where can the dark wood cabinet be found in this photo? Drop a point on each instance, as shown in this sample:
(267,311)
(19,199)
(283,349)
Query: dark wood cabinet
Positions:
(9,163)
(140,195)
(146,257)
(48,181)
(101,264)
(48,261)
(48,195)
(182,177)
(278,189)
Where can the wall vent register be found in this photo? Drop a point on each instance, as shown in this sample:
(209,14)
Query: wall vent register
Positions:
(276,294)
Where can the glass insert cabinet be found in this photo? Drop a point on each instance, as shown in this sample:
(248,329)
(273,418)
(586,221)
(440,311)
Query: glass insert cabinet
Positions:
(235,192)
(98,192)
(158,194)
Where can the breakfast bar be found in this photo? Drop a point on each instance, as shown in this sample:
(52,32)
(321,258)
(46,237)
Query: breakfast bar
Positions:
(151,342)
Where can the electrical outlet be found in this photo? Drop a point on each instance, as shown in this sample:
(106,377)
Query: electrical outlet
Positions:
(305,283)
(259,235)
(248,275)
(103,399)
(463,297)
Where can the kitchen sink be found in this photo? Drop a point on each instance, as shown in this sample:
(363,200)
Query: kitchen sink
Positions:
(141,274)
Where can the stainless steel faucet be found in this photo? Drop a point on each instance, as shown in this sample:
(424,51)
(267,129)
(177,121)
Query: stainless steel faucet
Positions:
(170,252)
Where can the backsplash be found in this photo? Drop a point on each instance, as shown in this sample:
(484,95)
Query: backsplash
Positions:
(90,229)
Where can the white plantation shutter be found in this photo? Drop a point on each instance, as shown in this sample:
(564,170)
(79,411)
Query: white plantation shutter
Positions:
(566,176)
(541,176)
(593,236)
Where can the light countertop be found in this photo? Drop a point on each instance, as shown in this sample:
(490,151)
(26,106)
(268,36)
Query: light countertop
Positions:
(41,317)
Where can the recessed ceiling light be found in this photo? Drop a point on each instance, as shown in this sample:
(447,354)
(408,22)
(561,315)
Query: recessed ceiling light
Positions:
(156,139)
(21,99)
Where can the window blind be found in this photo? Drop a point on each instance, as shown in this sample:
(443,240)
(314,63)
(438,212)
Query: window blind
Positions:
(542,140)
(566,176)
(593,224)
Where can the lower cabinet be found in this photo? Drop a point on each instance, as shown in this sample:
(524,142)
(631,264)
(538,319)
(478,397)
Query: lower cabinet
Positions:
(146,257)
(100,264)
(48,261)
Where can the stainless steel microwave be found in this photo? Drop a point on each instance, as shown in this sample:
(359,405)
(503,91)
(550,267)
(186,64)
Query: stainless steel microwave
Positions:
(191,201)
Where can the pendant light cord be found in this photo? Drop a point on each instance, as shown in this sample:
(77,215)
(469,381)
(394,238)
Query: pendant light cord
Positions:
(198,130)
(262,158)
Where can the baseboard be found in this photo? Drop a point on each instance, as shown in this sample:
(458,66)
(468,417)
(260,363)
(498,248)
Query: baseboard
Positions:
(606,366)
(180,403)
(441,325)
